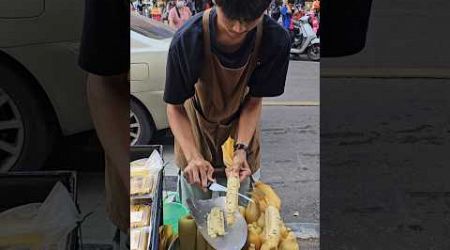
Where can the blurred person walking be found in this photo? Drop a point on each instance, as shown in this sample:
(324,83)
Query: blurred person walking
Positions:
(275,11)
(179,14)
(287,12)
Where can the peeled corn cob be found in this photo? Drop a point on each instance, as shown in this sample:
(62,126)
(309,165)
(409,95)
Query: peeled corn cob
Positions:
(272,224)
(215,223)
(232,199)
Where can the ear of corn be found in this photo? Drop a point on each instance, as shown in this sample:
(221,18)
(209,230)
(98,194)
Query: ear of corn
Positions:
(228,151)
(270,244)
(231,206)
(215,223)
(252,247)
(284,231)
(272,197)
(253,237)
(263,203)
(272,223)
(261,220)
(252,212)
(289,243)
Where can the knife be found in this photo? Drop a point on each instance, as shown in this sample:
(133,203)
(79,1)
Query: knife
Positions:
(216,187)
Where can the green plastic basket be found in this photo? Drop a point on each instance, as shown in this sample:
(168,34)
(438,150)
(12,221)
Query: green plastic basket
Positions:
(173,211)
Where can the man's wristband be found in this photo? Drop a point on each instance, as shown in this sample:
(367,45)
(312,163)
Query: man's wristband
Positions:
(242,146)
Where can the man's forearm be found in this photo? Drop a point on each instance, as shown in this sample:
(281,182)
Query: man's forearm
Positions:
(249,119)
(182,130)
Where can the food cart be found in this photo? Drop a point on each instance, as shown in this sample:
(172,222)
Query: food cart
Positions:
(154,199)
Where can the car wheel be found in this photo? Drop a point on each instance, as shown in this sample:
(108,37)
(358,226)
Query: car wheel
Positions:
(26,135)
(141,124)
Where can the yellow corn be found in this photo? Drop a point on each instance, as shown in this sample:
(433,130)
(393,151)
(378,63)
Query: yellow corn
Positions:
(290,243)
(232,199)
(272,223)
(253,237)
(252,212)
(272,197)
(216,226)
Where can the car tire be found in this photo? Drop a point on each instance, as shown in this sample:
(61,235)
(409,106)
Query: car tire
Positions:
(27,134)
(142,126)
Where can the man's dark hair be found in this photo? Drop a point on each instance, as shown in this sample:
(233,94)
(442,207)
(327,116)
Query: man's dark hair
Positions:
(243,10)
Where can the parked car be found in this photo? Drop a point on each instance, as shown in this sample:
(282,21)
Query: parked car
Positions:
(43,90)
(150,41)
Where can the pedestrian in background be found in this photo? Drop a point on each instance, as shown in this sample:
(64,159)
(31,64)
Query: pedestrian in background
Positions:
(167,8)
(316,6)
(286,14)
(275,12)
(179,14)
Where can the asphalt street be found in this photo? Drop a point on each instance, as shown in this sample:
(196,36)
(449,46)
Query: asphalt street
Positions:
(290,157)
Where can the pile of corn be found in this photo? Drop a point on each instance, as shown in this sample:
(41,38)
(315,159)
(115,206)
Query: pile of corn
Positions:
(266,230)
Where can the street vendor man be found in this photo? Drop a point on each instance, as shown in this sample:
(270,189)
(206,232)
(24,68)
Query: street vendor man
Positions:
(221,63)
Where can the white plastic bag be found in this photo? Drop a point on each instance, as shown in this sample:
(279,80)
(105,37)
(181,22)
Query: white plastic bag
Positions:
(40,225)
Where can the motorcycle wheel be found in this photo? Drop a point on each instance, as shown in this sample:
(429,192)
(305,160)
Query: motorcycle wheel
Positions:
(314,52)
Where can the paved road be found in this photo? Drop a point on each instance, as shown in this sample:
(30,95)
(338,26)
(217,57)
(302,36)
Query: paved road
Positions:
(395,47)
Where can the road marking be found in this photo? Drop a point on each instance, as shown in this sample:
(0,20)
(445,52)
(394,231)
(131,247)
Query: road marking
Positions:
(439,73)
(291,103)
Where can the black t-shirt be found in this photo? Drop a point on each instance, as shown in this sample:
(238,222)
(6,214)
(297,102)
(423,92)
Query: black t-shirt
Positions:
(186,57)
(105,41)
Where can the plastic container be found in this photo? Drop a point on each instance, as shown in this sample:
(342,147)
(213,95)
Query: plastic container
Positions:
(30,187)
(138,152)
(173,211)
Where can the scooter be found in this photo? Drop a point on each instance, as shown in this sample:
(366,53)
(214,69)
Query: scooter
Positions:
(305,40)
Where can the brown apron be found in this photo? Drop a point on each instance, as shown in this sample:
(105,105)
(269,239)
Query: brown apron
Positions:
(117,198)
(214,110)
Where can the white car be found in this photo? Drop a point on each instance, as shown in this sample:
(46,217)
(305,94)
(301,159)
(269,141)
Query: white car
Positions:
(149,42)
(43,90)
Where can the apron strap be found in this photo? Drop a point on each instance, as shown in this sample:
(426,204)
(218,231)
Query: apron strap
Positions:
(206,34)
